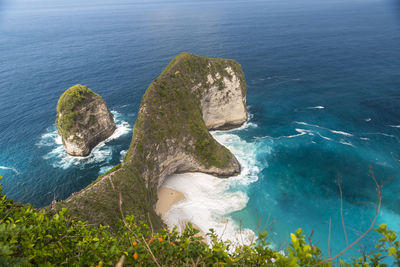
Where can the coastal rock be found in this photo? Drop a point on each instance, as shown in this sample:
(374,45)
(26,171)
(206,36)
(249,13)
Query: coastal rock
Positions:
(171,135)
(224,103)
(83,120)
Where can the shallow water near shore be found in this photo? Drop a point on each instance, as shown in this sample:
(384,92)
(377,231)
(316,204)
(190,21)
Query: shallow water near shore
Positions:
(323,90)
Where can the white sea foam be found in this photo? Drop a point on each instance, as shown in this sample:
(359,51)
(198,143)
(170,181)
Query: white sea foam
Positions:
(60,159)
(303,123)
(207,204)
(346,143)
(394,126)
(245,125)
(301,132)
(105,169)
(210,200)
(245,153)
(340,132)
(123,154)
(368,119)
(9,168)
(108,167)
(324,137)
(384,134)
(316,107)
(330,130)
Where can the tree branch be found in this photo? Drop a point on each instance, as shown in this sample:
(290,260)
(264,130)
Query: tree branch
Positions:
(378,207)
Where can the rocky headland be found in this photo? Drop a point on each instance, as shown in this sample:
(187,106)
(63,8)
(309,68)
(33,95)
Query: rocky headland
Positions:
(192,95)
(83,120)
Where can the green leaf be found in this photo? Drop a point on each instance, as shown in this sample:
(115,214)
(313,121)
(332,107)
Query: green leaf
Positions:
(293,237)
(392,251)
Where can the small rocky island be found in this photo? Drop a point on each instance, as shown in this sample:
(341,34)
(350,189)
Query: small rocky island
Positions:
(83,120)
(192,95)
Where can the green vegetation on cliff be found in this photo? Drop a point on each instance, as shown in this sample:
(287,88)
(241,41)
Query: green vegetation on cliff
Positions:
(66,113)
(29,237)
(169,136)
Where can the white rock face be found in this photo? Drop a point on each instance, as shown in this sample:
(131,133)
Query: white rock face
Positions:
(224,103)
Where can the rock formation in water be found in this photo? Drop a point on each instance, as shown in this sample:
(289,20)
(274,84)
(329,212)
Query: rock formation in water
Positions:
(191,96)
(83,120)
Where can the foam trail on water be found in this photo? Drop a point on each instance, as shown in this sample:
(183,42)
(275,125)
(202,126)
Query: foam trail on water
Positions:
(320,127)
(340,132)
(324,137)
(346,143)
(60,159)
(316,107)
(383,134)
(9,168)
(301,132)
(210,200)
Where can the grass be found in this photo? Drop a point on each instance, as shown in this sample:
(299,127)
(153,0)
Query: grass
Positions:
(66,113)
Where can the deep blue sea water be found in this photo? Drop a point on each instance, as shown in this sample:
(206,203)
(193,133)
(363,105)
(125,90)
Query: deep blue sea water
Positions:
(323,90)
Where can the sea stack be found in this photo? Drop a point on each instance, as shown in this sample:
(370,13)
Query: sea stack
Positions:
(83,120)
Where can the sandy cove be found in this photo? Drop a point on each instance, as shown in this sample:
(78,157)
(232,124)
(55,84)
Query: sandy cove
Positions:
(167,197)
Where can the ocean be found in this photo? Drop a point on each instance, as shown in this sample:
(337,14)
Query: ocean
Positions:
(323,94)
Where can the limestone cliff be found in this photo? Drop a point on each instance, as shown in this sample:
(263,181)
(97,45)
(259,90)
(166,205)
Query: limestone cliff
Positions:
(192,95)
(83,120)
(224,103)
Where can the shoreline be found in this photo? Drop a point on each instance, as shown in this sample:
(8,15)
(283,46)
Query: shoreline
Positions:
(167,198)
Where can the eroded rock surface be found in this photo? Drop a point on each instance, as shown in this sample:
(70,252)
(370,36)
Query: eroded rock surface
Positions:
(83,120)
(224,104)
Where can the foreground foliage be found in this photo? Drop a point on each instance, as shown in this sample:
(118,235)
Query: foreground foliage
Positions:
(35,238)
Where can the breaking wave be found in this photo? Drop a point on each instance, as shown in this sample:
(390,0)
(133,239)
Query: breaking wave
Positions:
(101,153)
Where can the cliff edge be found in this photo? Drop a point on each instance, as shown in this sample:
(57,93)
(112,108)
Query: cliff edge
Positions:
(83,120)
(191,96)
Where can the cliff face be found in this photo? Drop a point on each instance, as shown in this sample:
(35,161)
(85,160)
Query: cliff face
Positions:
(83,120)
(192,95)
(224,104)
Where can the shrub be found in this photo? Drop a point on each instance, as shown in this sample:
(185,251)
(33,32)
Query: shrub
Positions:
(30,237)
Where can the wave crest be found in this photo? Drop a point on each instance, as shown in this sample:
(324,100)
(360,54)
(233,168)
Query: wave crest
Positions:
(60,159)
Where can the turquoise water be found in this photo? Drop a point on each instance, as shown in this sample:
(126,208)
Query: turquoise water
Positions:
(323,90)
